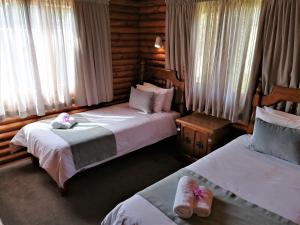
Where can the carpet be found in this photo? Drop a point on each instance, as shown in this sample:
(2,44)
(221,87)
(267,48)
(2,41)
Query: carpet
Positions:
(28,196)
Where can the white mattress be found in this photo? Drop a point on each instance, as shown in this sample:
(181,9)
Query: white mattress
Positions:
(133,130)
(269,182)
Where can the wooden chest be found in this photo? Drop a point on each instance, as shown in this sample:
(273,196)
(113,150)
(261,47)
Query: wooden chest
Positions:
(199,134)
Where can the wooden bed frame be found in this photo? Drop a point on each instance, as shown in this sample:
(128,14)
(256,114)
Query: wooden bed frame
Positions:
(158,76)
(278,94)
(166,79)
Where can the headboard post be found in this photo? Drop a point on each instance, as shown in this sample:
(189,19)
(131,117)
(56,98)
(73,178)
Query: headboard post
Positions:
(142,71)
(165,78)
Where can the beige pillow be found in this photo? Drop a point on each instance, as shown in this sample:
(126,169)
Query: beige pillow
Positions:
(158,98)
(141,100)
(168,97)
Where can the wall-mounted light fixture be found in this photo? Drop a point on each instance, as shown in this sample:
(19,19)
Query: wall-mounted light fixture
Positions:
(158,42)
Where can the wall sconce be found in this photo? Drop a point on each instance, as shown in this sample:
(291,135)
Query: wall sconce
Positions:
(158,42)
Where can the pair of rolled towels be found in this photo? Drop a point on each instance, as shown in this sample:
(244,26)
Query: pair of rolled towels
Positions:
(63,121)
(191,198)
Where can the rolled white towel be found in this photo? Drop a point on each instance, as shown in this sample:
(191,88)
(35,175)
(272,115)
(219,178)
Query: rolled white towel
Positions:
(184,198)
(203,203)
(63,121)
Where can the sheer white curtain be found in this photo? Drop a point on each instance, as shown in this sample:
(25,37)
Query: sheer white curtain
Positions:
(36,56)
(221,55)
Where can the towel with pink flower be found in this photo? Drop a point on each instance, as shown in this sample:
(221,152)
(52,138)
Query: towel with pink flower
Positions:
(192,199)
(63,121)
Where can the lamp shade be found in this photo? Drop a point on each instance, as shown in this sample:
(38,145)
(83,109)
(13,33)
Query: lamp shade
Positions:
(158,42)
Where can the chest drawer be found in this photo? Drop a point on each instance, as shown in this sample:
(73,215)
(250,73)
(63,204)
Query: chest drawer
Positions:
(192,142)
(200,134)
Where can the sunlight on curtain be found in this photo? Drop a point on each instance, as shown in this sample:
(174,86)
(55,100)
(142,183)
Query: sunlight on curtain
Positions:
(221,56)
(37,42)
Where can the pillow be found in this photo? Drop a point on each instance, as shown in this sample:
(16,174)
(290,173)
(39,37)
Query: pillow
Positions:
(276,118)
(284,114)
(158,98)
(278,141)
(141,100)
(168,98)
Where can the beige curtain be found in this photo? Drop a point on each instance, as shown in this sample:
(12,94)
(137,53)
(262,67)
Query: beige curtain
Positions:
(179,16)
(222,46)
(94,82)
(278,46)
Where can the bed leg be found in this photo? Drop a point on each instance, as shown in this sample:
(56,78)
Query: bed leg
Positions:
(35,161)
(63,190)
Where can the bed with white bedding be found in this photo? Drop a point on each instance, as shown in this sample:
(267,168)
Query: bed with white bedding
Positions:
(132,129)
(268,182)
(255,179)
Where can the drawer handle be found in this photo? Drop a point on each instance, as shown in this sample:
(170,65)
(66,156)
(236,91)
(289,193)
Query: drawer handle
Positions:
(199,144)
(187,140)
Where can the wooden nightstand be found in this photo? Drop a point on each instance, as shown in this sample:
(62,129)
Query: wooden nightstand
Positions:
(200,134)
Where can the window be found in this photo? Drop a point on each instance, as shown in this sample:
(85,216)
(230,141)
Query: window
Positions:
(222,48)
(37,57)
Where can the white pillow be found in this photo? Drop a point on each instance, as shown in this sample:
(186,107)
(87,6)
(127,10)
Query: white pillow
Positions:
(158,98)
(276,119)
(284,114)
(168,98)
(141,100)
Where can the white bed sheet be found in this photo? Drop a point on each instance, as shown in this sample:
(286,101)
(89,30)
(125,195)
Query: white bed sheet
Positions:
(264,180)
(133,130)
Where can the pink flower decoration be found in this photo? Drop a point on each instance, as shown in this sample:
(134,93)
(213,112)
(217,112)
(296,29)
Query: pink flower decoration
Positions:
(66,119)
(198,193)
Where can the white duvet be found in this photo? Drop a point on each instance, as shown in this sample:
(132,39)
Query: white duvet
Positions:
(269,182)
(133,130)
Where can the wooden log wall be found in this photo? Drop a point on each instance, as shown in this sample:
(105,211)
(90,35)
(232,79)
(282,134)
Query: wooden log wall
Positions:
(124,20)
(152,24)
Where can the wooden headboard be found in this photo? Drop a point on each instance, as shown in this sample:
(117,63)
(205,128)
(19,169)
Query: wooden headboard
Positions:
(278,94)
(166,79)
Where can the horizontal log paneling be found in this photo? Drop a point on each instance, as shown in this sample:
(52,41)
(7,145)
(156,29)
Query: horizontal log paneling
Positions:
(4,144)
(123,23)
(127,30)
(144,49)
(152,24)
(122,9)
(125,46)
(151,30)
(122,43)
(131,55)
(124,17)
(152,3)
(132,73)
(128,3)
(12,157)
(120,62)
(153,9)
(129,49)
(121,36)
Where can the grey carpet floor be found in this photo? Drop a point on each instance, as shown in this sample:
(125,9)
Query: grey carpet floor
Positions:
(29,197)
